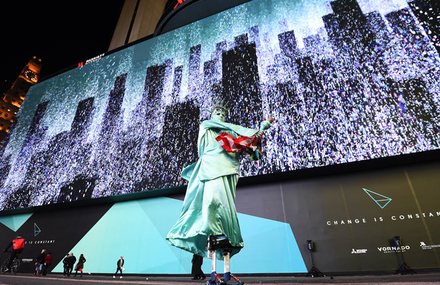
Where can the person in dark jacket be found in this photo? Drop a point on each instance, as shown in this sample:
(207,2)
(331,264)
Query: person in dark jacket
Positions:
(80,265)
(196,269)
(119,266)
(66,265)
(39,263)
(71,263)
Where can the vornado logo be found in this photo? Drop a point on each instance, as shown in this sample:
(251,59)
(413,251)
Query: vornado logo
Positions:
(390,249)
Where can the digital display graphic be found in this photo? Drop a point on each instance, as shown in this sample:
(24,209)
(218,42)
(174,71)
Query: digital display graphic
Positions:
(352,219)
(346,81)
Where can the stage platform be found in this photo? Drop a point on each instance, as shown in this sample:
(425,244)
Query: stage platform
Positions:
(89,279)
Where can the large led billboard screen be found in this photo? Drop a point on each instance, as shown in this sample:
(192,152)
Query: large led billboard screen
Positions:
(346,80)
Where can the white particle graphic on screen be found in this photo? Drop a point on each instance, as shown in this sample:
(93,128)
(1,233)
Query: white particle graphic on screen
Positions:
(347,81)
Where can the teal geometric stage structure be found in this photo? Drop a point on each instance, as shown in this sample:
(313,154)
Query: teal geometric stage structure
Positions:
(137,231)
(14,222)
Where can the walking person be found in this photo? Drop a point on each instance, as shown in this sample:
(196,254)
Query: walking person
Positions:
(66,262)
(71,263)
(80,265)
(47,263)
(40,261)
(119,266)
(196,268)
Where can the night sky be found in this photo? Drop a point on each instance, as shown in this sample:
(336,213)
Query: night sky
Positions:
(61,33)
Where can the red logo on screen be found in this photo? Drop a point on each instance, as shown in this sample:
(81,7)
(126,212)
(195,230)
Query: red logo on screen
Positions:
(178,3)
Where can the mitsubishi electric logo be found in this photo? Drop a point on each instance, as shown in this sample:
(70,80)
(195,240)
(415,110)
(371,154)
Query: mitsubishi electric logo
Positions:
(358,251)
(380,199)
(424,246)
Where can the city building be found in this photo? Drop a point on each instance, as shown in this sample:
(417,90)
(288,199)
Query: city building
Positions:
(13,97)
(143,18)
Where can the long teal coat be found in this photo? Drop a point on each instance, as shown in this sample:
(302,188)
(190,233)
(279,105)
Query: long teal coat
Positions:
(209,205)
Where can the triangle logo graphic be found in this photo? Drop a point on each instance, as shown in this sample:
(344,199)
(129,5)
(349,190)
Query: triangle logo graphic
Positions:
(36,230)
(380,199)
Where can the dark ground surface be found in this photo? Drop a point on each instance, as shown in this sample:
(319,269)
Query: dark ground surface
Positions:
(52,279)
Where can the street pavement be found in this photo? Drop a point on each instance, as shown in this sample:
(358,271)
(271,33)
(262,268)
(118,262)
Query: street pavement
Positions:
(93,279)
